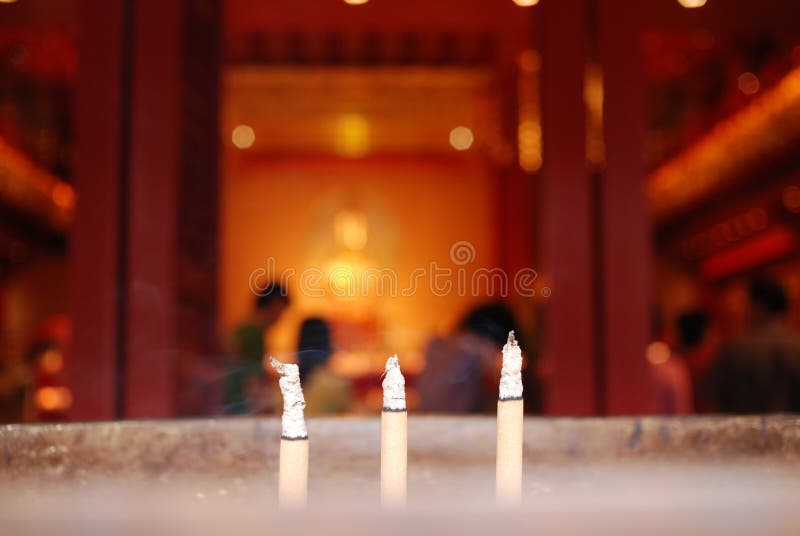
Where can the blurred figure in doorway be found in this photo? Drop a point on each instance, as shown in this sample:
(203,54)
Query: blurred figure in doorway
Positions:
(697,345)
(462,370)
(671,369)
(324,391)
(245,381)
(760,372)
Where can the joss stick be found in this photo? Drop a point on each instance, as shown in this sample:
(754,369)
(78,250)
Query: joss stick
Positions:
(293,465)
(509,426)
(394,436)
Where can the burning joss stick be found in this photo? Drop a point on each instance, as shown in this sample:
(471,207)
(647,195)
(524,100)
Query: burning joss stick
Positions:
(509,426)
(394,436)
(293,471)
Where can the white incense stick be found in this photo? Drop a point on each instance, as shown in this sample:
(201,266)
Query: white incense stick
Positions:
(293,465)
(394,436)
(509,426)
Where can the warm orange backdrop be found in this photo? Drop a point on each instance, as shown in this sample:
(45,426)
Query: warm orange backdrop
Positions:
(415,211)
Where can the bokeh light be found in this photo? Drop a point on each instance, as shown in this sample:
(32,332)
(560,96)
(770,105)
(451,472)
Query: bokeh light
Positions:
(461,138)
(243,136)
(352,135)
(63,195)
(692,3)
(657,352)
(791,198)
(51,361)
(351,229)
(748,83)
(52,398)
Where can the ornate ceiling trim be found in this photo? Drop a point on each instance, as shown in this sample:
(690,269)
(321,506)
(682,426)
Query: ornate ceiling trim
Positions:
(734,149)
(34,191)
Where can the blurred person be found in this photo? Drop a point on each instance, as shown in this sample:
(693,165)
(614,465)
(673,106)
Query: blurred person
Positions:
(324,391)
(760,371)
(245,380)
(462,370)
(698,345)
(671,369)
(16,383)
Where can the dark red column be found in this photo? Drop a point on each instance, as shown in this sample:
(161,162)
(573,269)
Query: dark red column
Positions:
(569,328)
(146,184)
(150,330)
(625,225)
(94,239)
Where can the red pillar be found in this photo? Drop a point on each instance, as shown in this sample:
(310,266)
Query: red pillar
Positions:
(569,330)
(94,239)
(146,185)
(150,331)
(625,224)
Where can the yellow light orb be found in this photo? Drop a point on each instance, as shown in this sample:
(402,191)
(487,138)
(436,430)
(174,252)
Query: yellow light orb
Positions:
(526,3)
(352,136)
(243,136)
(691,4)
(355,2)
(461,138)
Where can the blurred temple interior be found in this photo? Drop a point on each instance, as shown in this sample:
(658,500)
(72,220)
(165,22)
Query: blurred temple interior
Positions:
(188,187)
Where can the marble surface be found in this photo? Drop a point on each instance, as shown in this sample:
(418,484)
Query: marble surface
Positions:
(737,475)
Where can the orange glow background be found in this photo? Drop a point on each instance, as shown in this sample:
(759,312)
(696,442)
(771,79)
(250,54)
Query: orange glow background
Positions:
(405,231)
